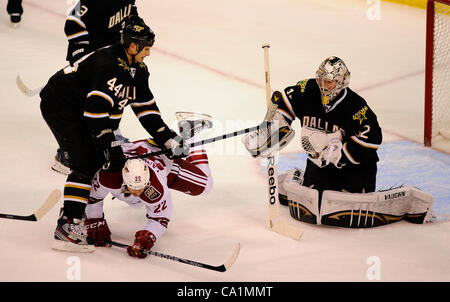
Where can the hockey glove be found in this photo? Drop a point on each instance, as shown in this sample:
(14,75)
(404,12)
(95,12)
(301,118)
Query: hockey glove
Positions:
(143,242)
(113,153)
(98,232)
(176,148)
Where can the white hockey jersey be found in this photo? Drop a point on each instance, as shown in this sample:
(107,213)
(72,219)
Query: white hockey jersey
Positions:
(156,198)
(190,175)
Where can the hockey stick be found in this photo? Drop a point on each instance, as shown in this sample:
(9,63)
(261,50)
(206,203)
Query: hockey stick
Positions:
(207,141)
(25,90)
(220,268)
(52,199)
(275,223)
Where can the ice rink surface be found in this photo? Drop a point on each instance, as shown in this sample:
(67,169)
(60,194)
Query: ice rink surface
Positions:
(208,58)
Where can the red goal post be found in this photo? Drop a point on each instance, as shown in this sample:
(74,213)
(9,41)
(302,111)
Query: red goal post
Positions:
(437,71)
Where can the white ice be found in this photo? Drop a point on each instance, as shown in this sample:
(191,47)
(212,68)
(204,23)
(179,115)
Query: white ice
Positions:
(208,58)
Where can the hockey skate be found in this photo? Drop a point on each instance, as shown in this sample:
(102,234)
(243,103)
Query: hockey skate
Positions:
(71,236)
(15,11)
(191,123)
(60,165)
(15,19)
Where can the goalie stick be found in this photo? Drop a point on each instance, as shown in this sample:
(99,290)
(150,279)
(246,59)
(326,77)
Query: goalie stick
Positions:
(52,199)
(275,223)
(220,268)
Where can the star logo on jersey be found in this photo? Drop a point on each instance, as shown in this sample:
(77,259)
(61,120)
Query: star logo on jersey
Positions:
(138,28)
(123,64)
(361,115)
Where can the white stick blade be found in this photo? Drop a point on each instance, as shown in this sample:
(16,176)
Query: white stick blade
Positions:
(233,257)
(22,86)
(52,199)
(66,246)
(25,90)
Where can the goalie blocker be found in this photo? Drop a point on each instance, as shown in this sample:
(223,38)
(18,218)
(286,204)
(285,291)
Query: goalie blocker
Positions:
(353,210)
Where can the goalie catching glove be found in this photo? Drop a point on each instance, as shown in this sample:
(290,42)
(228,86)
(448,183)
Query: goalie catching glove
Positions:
(274,137)
(322,148)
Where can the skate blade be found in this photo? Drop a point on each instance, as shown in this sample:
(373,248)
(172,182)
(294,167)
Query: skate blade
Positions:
(65,246)
(183,115)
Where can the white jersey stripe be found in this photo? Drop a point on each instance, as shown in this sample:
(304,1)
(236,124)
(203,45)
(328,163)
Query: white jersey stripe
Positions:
(184,171)
(364,144)
(347,154)
(193,181)
(151,102)
(78,34)
(96,115)
(81,23)
(103,95)
(288,104)
(148,112)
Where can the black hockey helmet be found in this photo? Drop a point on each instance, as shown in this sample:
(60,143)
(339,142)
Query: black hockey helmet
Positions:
(135,30)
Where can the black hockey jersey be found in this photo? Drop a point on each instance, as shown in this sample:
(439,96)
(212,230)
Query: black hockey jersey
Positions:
(93,24)
(100,88)
(348,113)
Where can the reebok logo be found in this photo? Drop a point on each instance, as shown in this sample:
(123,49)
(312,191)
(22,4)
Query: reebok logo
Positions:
(272,184)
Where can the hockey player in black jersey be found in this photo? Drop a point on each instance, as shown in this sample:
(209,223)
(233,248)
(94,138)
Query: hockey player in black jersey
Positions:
(82,105)
(341,136)
(93,24)
(90,25)
(340,132)
(15,10)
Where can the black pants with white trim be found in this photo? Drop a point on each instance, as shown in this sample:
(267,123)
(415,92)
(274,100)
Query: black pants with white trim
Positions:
(84,157)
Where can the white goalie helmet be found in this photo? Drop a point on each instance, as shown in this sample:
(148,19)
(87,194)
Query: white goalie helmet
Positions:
(136,174)
(332,69)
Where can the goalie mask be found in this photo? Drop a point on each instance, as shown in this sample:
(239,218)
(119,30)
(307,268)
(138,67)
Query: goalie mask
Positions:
(136,174)
(332,69)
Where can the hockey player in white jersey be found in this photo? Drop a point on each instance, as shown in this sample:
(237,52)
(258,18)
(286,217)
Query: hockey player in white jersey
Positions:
(144,183)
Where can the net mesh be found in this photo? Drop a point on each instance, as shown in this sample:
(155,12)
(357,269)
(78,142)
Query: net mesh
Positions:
(441,69)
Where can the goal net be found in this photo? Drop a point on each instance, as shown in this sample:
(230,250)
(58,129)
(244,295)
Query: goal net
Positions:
(437,71)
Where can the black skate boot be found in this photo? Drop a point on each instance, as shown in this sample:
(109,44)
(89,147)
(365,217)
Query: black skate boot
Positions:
(70,235)
(61,165)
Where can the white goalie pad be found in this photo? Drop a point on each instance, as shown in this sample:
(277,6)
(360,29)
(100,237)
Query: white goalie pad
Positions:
(363,210)
(303,202)
(291,176)
(264,141)
(315,143)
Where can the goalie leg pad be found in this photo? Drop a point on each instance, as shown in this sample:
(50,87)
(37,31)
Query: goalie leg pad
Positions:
(365,210)
(303,202)
(291,176)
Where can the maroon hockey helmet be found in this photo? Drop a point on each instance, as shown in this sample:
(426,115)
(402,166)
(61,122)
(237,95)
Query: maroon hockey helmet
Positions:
(135,30)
